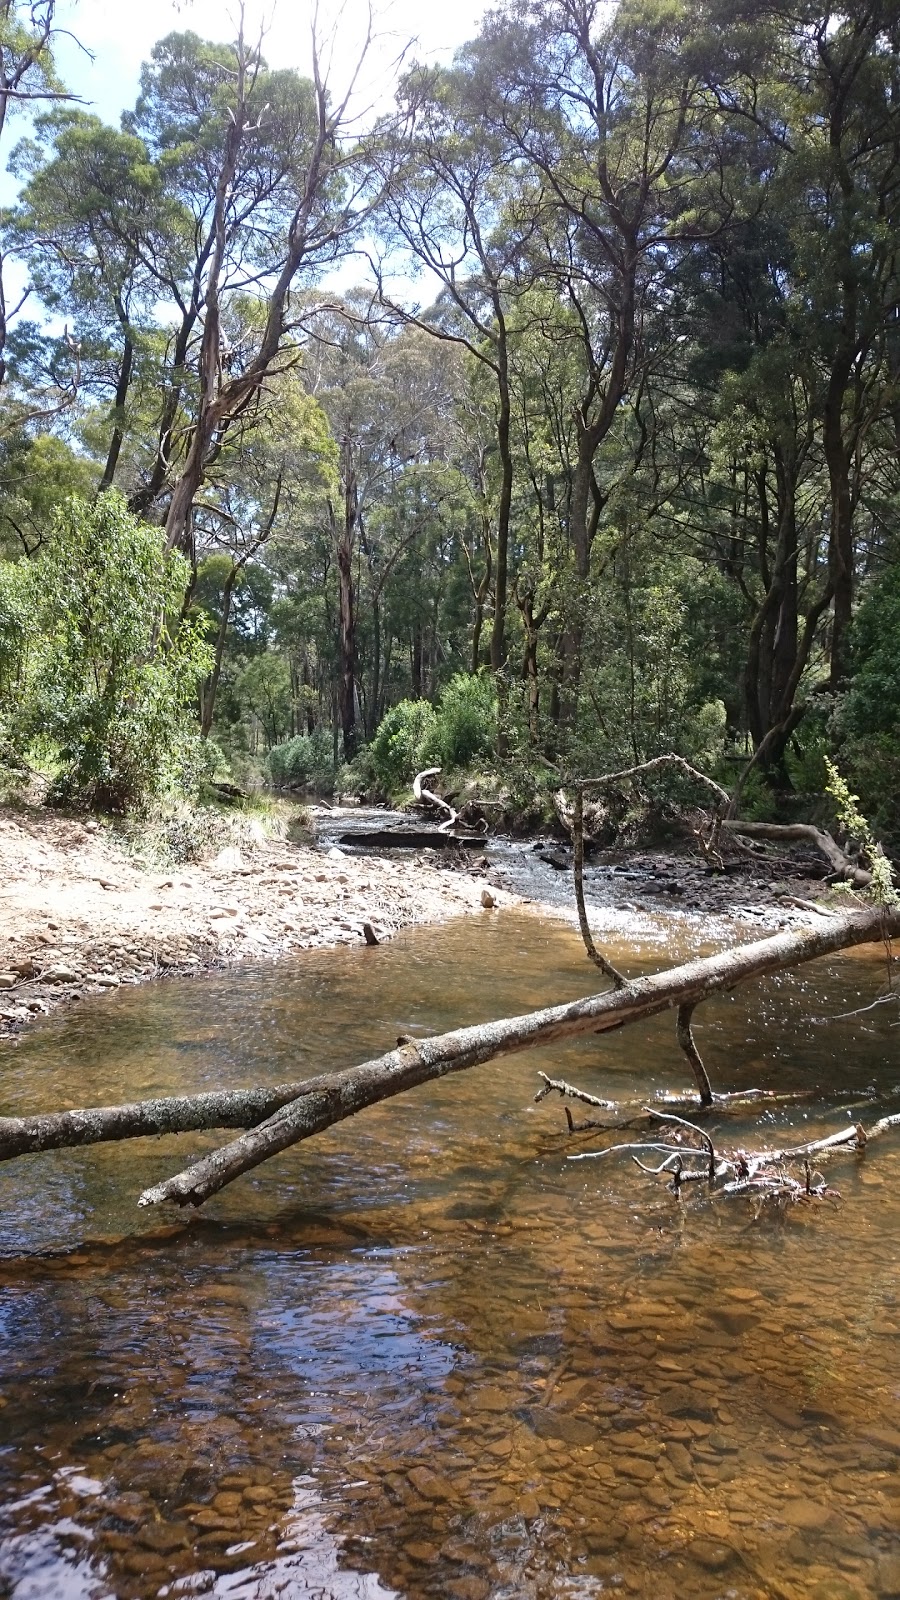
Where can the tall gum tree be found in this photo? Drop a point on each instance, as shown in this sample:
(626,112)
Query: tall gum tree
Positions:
(264,164)
(609,122)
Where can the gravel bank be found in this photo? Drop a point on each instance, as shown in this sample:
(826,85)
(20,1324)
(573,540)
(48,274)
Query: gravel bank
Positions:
(78,916)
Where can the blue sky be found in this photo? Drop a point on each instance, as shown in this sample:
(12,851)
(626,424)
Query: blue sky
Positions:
(120,33)
(99,57)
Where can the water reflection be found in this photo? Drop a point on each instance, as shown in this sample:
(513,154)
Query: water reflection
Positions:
(423,1355)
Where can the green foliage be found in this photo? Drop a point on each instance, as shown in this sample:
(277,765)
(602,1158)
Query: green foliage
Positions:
(758,802)
(306,761)
(111,678)
(853,822)
(404,744)
(873,703)
(16,632)
(867,723)
(806,760)
(466,724)
(459,731)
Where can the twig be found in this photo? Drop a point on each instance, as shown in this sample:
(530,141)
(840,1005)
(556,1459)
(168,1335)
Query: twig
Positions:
(564,1088)
(669,1116)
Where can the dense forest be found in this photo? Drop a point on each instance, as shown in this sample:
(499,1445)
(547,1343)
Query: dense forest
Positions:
(597,460)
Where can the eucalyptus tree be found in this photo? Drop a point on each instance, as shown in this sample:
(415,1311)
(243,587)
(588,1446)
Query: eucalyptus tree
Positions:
(263,165)
(267,486)
(612,126)
(388,395)
(96,221)
(822,86)
(454,202)
(28,79)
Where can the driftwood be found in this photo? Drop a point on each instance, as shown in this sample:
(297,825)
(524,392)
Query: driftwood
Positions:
(803,832)
(284,1116)
(421,794)
(763,1175)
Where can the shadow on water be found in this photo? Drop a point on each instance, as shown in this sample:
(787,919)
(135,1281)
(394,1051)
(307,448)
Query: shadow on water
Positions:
(423,1355)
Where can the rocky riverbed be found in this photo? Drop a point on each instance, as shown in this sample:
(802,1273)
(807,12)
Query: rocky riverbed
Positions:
(79,915)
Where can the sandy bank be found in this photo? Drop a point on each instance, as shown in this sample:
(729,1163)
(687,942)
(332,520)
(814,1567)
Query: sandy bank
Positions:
(79,916)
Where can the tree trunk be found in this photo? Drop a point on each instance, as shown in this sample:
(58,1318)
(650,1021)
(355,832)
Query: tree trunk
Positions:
(347,608)
(115,444)
(211,687)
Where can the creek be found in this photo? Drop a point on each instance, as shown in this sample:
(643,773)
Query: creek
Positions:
(424,1355)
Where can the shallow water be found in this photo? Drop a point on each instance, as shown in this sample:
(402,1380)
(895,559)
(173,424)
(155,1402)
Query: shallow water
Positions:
(424,1355)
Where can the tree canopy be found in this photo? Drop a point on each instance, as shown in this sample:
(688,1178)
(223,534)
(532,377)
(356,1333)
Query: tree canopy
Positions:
(600,456)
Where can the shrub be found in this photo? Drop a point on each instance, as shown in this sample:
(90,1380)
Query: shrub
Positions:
(16,636)
(306,761)
(113,682)
(868,722)
(466,726)
(404,743)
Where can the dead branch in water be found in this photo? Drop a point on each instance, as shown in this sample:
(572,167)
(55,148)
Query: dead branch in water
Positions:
(761,1174)
(844,868)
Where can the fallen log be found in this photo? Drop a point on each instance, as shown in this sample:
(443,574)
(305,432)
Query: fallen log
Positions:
(423,1060)
(803,832)
(145,1119)
(288,1113)
(420,793)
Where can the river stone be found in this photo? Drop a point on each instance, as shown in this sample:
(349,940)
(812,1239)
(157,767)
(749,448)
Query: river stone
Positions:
(887,1438)
(489,1399)
(806,1514)
(212,1520)
(429,1484)
(549,1424)
(834,1589)
(684,1401)
(783,1414)
(637,1444)
(636,1468)
(734,1321)
(887,1577)
(164,1537)
(680,1459)
(710,1554)
(420,1551)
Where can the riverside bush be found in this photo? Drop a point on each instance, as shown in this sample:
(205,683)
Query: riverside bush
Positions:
(466,722)
(460,730)
(108,681)
(404,743)
(306,761)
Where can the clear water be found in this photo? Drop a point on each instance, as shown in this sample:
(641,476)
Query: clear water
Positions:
(423,1355)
